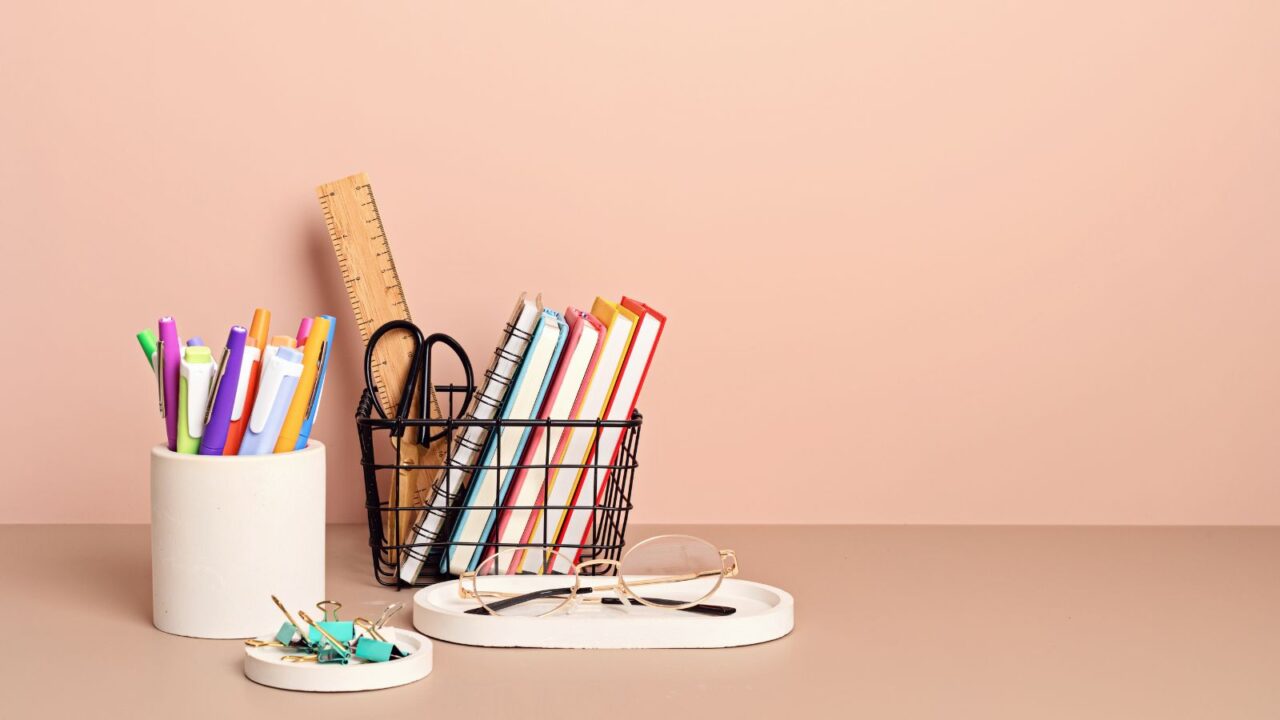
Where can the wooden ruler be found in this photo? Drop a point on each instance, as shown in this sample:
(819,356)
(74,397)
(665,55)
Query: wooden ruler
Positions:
(377,297)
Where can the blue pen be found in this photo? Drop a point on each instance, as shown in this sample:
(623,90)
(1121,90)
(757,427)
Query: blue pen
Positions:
(196,341)
(279,380)
(314,410)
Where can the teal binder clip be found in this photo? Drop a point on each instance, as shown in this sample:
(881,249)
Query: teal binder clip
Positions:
(286,633)
(372,646)
(289,628)
(332,641)
(331,649)
(344,632)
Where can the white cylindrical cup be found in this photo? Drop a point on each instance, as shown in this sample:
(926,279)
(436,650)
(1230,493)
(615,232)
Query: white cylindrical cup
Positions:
(228,532)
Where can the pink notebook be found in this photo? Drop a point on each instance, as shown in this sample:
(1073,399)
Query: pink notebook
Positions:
(563,400)
(635,368)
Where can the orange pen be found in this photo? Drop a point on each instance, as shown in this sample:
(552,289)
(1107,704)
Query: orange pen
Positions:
(258,330)
(254,346)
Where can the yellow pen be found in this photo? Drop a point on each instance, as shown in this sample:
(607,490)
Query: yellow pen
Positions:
(311,355)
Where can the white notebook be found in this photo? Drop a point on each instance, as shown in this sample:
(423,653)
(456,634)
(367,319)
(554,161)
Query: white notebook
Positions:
(484,406)
(565,394)
(592,483)
(576,443)
(486,488)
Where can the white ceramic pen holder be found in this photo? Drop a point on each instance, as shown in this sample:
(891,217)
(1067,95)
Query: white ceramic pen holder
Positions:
(228,532)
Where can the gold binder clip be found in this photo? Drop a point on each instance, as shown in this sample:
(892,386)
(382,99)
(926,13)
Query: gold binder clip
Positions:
(391,610)
(255,642)
(285,634)
(336,651)
(371,629)
(330,609)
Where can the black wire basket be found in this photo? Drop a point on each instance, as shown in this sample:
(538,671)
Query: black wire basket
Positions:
(392,526)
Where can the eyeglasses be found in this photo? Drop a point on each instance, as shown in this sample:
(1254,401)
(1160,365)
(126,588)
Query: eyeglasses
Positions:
(667,572)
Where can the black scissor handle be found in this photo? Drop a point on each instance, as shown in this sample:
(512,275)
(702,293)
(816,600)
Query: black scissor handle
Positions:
(425,353)
(410,382)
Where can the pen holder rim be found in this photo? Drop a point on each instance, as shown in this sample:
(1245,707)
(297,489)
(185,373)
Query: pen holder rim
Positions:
(162,450)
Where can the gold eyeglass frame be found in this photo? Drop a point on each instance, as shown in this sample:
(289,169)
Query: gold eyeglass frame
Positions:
(728,569)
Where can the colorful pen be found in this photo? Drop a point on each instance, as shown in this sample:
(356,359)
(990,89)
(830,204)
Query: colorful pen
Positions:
(314,407)
(151,350)
(197,374)
(260,328)
(224,393)
(251,371)
(280,373)
(304,330)
(302,398)
(196,341)
(277,342)
(170,359)
(147,339)
(246,391)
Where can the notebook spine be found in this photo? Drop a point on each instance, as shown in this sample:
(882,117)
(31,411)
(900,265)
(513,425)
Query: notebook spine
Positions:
(454,481)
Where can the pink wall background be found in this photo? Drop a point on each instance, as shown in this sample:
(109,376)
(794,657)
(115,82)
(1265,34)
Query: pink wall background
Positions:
(952,262)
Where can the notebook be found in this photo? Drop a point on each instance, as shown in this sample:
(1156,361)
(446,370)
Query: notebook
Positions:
(577,523)
(576,443)
(564,397)
(487,485)
(484,405)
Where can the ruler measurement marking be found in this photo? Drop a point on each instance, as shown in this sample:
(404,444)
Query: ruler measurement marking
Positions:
(377,298)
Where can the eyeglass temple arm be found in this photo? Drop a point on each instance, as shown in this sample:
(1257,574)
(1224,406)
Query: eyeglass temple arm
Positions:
(585,590)
(519,599)
(700,608)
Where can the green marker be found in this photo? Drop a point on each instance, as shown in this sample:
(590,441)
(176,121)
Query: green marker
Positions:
(196,380)
(150,343)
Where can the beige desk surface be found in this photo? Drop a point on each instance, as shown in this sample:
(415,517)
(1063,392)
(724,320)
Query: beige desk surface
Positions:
(892,622)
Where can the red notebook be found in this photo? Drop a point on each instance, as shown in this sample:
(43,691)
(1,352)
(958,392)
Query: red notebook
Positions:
(635,368)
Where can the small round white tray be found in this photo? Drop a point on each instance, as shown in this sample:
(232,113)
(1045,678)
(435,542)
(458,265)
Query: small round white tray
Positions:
(264,666)
(763,613)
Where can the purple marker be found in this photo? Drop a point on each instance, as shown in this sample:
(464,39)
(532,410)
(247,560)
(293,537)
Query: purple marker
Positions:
(170,364)
(196,341)
(214,438)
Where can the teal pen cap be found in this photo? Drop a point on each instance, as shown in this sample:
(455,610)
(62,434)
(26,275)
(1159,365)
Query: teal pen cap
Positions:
(149,342)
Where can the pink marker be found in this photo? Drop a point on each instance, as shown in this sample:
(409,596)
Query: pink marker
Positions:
(170,358)
(304,329)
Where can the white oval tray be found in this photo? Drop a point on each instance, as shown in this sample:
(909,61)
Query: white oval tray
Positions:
(264,666)
(764,613)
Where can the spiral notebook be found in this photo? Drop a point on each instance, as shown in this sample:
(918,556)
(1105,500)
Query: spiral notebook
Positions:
(488,484)
(484,406)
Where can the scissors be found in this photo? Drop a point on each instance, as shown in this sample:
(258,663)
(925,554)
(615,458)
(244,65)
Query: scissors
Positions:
(419,373)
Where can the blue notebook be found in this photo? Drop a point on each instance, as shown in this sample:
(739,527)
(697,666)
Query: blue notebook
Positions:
(489,486)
